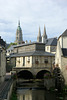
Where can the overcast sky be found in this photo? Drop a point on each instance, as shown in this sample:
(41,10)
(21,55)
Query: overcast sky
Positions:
(32,14)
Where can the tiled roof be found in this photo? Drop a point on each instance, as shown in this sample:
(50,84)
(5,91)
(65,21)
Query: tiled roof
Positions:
(34,53)
(51,42)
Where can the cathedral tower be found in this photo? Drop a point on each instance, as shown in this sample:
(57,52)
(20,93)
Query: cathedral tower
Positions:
(39,36)
(44,36)
(19,38)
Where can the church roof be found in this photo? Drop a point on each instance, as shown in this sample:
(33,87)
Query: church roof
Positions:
(51,42)
(64,51)
(33,53)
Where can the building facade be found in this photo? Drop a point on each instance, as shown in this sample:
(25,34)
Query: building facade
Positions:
(2,60)
(61,54)
(51,45)
(31,55)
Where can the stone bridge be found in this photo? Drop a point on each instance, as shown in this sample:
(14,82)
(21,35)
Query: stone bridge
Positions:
(30,72)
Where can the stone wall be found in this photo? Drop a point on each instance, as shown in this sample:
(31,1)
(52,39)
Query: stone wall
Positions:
(35,61)
(64,68)
(30,48)
(2,64)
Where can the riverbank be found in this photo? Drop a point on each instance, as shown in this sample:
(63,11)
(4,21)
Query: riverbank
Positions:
(6,89)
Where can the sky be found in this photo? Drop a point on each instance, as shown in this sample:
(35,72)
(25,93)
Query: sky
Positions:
(32,14)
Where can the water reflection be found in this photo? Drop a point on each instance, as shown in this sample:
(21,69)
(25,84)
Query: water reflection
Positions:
(38,95)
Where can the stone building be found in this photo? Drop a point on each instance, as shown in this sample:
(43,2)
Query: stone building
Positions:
(19,38)
(50,45)
(2,60)
(31,55)
(61,54)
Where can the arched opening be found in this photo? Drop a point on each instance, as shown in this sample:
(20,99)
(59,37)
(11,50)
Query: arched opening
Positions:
(25,74)
(42,73)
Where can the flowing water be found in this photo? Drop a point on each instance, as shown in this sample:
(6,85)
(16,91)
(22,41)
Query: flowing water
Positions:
(29,91)
(26,94)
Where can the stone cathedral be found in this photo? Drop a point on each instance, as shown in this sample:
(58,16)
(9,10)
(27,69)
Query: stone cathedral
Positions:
(19,37)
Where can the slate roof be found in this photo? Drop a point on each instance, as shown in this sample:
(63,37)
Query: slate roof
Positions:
(51,42)
(64,51)
(64,33)
(2,42)
(33,53)
(28,44)
(11,47)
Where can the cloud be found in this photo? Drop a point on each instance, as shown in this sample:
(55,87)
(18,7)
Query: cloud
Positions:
(32,14)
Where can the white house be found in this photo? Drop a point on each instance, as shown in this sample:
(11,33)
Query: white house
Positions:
(61,54)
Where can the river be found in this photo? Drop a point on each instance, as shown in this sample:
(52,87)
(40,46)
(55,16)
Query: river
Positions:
(28,91)
(26,94)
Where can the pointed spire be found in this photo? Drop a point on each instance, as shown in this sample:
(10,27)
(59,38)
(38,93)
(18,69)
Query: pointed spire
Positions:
(44,34)
(39,36)
(39,33)
(19,23)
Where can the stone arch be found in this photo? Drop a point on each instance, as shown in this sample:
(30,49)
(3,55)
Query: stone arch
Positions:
(41,73)
(25,74)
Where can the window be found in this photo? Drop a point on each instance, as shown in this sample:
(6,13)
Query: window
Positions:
(23,61)
(28,59)
(36,60)
(18,59)
(46,60)
(47,48)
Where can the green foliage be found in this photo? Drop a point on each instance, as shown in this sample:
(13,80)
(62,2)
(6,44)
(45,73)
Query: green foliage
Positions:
(12,44)
(13,97)
(65,89)
(9,67)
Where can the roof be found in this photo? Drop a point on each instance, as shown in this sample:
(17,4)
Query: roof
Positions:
(64,51)
(11,47)
(25,44)
(64,33)
(34,53)
(2,42)
(51,42)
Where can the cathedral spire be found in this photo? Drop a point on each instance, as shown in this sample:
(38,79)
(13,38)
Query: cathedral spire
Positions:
(19,37)
(39,36)
(44,36)
(19,23)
